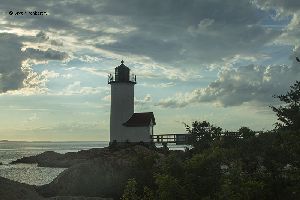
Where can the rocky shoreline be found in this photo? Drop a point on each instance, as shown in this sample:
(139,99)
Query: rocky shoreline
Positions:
(90,174)
(12,190)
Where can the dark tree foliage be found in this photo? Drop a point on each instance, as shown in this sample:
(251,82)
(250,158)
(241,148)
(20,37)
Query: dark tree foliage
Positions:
(227,165)
(246,132)
(202,134)
(130,191)
(289,113)
(264,166)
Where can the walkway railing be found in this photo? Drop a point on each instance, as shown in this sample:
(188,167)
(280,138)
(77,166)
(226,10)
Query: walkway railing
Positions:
(183,138)
(170,138)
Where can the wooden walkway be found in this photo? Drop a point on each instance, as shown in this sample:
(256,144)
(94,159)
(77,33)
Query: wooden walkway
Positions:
(182,138)
(179,139)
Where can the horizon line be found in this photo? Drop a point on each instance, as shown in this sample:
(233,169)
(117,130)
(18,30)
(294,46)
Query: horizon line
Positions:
(53,141)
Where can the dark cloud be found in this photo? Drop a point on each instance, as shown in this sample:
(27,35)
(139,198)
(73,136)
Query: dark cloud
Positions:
(48,54)
(42,36)
(11,74)
(178,32)
(146,46)
(56,43)
(181,12)
(14,72)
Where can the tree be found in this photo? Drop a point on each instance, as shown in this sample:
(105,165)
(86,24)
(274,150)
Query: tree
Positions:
(148,194)
(289,113)
(202,134)
(130,192)
(168,187)
(246,132)
(203,172)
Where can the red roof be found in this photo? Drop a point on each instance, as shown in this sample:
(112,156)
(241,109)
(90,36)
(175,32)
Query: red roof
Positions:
(141,119)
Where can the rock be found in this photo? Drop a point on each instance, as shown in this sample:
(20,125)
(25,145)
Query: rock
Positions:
(93,178)
(42,159)
(52,159)
(96,172)
(77,198)
(103,176)
(11,190)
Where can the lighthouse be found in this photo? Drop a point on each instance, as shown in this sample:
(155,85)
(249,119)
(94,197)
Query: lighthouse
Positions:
(125,124)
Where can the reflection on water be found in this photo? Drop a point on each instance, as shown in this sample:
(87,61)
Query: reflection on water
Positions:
(30,173)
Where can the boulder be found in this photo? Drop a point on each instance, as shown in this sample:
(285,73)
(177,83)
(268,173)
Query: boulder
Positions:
(12,190)
(104,176)
(53,159)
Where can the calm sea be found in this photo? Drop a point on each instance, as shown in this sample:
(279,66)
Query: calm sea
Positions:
(30,173)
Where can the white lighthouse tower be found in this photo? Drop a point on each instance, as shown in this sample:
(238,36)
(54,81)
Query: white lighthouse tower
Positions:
(125,125)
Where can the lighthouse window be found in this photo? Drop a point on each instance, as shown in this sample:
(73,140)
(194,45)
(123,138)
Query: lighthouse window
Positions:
(117,75)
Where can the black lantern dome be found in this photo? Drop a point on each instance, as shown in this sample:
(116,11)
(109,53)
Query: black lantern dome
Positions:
(122,75)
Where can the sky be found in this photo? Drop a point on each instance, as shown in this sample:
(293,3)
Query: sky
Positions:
(215,60)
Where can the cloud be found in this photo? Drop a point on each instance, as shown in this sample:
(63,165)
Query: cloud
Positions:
(42,36)
(284,10)
(145,100)
(280,6)
(144,104)
(159,85)
(176,36)
(49,74)
(35,83)
(48,54)
(179,100)
(76,89)
(16,63)
(95,71)
(56,42)
(177,33)
(11,59)
(236,86)
(67,76)
(89,59)
(183,33)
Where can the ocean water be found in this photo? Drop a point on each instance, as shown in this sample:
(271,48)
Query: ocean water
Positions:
(30,173)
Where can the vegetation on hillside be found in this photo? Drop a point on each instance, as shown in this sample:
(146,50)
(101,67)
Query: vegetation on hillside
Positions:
(226,165)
